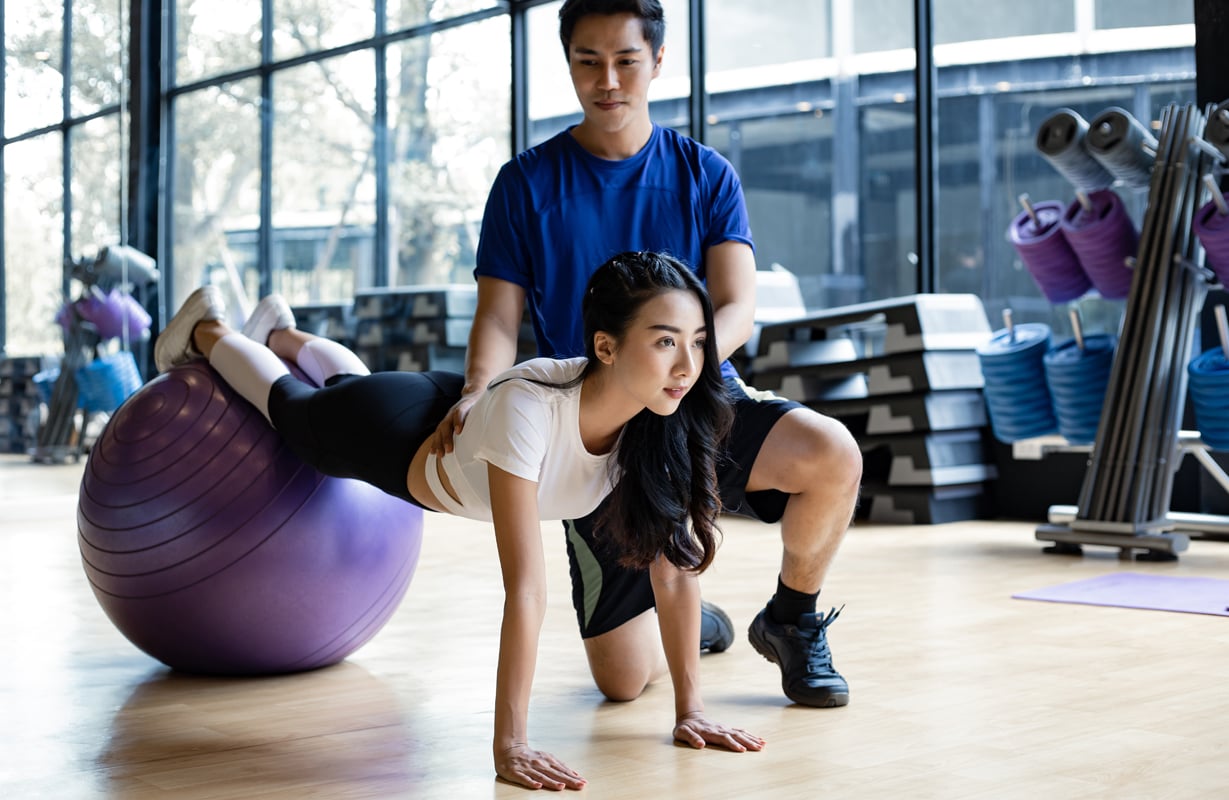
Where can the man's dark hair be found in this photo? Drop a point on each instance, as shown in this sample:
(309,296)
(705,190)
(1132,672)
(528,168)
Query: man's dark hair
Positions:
(652,18)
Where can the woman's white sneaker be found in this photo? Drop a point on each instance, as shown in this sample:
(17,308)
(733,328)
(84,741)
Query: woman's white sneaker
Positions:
(174,345)
(271,314)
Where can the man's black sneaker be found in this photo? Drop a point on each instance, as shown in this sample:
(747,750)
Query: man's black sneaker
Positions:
(716,630)
(807,675)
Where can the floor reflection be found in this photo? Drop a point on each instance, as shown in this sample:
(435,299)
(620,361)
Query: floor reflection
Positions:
(337,725)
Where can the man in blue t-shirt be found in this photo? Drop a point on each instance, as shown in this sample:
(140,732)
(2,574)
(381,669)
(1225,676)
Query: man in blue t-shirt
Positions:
(618,182)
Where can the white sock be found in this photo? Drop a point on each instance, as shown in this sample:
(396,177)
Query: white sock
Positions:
(321,359)
(251,369)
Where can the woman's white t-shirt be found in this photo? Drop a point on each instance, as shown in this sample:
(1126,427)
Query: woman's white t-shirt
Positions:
(532,431)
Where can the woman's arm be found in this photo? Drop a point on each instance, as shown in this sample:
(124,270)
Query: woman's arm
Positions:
(677,594)
(518,538)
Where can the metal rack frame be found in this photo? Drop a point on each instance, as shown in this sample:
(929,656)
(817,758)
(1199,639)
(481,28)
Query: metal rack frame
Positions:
(1124,501)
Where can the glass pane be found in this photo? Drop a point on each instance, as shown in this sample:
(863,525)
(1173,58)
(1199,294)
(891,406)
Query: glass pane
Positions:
(449,135)
(826,159)
(962,21)
(216,191)
(1140,13)
(404,14)
(886,232)
(324,179)
(744,35)
(214,37)
(97,159)
(100,41)
(674,83)
(33,60)
(309,26)
(880,25)
(785,164)
(552,100)
(33,246)
(988,158)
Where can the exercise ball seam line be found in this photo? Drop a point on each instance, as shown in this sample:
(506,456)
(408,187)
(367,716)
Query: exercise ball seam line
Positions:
(218,452)
(154,520)
(218,571)
(215,396)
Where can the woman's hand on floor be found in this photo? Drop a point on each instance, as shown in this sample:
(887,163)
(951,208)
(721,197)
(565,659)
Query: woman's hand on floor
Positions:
(698,731)
(535,769)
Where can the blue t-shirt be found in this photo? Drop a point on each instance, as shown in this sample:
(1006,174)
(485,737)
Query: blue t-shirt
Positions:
(557,212)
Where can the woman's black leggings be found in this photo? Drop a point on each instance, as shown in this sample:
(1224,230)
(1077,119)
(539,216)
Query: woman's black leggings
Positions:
(364,426)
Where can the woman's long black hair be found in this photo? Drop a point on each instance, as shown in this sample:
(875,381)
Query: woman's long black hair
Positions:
(666,465)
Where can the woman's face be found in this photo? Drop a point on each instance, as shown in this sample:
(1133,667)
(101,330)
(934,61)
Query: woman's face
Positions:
(659,357)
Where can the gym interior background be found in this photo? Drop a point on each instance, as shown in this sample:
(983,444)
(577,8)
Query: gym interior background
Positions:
(340,151)
(327,148)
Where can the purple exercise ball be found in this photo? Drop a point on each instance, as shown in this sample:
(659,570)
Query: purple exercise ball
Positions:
(215,550)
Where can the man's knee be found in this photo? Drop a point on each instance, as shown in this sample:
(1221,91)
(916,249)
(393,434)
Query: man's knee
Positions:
(807,449)
(840,450)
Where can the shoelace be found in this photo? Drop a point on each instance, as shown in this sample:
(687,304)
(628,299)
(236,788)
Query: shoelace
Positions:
(819,655)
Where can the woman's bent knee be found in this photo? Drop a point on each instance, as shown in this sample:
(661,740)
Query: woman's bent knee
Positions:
(626,660)
(620,688)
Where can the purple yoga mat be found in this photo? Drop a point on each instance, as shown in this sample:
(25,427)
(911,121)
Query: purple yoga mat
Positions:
(1138,590)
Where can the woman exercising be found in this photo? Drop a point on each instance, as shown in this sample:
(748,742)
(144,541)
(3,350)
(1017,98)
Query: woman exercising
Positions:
(639,418)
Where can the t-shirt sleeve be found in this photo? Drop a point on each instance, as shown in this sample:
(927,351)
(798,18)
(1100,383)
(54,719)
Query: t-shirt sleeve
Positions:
(728,218)
(502,251)
(518,424)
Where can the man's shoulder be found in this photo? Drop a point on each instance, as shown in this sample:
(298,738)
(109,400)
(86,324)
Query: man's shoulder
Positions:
(535,165)
(677,140)
(545,152)
(677,146)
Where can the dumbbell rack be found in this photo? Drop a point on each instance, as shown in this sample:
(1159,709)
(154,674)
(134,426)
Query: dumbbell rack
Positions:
(1124,501)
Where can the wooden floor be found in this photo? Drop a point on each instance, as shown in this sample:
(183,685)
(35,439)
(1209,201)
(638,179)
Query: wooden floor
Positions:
(958,691)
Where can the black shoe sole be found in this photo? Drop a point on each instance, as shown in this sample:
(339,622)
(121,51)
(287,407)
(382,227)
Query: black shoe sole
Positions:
(825,700)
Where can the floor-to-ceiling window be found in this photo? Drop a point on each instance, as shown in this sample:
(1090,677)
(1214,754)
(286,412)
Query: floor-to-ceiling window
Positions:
(1001,75)
(321,147)
(330,147)
(813,102)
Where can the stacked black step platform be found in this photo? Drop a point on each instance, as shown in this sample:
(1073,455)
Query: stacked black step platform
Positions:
(409,328)
(19,397)
(331,320)
(414,329)
(903,375)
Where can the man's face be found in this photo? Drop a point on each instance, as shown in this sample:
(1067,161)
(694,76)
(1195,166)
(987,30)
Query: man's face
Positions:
(612,65)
